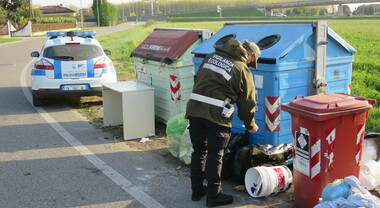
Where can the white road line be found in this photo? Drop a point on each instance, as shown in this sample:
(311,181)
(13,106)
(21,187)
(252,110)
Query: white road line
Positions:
(112,174)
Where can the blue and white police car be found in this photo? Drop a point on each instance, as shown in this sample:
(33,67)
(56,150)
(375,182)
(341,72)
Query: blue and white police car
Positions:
(70,64)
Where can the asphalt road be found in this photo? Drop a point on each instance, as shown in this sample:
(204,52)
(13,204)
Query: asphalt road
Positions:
(52,157)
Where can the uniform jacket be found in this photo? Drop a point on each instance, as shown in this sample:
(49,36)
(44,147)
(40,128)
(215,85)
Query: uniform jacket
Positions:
(240,88)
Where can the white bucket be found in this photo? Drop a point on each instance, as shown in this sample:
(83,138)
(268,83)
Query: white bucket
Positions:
(265,181)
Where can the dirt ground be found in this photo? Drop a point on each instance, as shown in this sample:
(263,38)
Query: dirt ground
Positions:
(158,144)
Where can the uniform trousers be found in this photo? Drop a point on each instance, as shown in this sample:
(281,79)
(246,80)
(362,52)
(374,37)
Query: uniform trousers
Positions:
(209,141)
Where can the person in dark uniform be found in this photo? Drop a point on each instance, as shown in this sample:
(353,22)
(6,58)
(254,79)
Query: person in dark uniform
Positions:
(223,79)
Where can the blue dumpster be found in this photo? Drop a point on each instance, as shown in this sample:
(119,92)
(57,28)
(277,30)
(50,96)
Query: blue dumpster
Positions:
(298,58)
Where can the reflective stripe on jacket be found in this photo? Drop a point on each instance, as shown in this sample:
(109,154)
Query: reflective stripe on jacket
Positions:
(225,74)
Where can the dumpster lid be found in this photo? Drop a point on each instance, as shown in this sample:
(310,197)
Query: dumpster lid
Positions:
(165,45)
(278,38)
(333,102)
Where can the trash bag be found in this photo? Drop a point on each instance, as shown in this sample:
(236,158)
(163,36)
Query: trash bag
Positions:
(369,166)
(185,148)
(347,193)
(374,139)
(241,163)
(179,143)
(260,155)
(336,189)
(370,174)
(271,155)
(237,141)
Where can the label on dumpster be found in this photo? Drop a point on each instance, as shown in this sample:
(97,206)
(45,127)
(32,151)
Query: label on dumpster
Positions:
(302,152)
(259,81)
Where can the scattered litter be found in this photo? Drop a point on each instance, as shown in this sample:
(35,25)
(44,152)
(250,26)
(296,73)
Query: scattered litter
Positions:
(143,140)
(240,188)
(358,196)
(137,168)
(178,167)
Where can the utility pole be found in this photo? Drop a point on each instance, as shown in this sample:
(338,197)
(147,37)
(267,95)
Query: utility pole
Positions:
(123,17)
(137,12)
(97,11)
(151,5)
(30,9)
(81,14)
(219,10)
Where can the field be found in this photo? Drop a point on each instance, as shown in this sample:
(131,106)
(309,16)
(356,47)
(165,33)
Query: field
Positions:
(363,35)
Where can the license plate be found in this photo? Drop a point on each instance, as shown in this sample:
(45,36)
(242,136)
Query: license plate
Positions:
(74,87)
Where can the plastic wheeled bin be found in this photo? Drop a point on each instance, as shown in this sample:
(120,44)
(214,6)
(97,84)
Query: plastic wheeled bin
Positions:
(298,58)
(328,132)
(164,61)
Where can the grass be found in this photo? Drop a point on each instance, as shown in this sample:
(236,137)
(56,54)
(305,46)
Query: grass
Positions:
(121,45)
(6,40)
(363,35)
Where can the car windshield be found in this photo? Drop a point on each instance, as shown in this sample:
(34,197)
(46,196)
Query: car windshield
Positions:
(74,52)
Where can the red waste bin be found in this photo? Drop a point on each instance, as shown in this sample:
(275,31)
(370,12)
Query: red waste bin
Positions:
(328,132)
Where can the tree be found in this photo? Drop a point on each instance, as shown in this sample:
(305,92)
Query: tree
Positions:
(364,10)
(3,16)
(96,6)
(346,10)
(107,14)
(17,10)
(322,11)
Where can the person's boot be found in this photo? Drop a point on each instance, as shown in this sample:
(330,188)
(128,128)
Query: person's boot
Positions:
(220,199)
(196,196)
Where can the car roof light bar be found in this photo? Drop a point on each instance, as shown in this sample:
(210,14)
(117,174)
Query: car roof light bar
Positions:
(71,34)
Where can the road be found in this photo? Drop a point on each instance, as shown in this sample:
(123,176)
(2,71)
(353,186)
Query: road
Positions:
(52,157)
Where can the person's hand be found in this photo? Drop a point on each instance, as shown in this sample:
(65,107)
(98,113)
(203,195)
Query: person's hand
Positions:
(254,129)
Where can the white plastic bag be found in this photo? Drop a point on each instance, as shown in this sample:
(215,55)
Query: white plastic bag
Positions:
(370,174)
(370,169)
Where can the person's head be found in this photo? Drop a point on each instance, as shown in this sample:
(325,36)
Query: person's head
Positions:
(253,52)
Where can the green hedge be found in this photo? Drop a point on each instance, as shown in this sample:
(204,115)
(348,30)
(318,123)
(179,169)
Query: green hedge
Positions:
(41,20)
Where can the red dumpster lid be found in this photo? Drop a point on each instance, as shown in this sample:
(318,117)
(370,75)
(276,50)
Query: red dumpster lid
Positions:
(328,106)
(165,45)
(333,102)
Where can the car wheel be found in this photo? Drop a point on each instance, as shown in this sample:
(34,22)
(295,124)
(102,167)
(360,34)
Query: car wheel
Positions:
(37,101)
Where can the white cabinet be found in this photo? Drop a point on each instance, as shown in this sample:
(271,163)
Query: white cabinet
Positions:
(131,104)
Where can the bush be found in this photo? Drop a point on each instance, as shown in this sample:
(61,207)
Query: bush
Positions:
(150,23)
(41,20)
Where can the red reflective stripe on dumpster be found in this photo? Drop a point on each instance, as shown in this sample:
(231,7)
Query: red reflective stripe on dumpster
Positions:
(272,113)
(315,158)
(359,143)
(175,85)
(330,138)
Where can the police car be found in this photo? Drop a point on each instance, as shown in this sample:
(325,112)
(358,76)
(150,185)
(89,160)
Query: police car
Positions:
(70,64)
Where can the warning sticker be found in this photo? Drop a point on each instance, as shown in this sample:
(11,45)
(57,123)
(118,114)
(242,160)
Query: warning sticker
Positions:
(302,152)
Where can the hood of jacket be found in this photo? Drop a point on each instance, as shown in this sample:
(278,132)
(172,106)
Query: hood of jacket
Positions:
(233,49)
